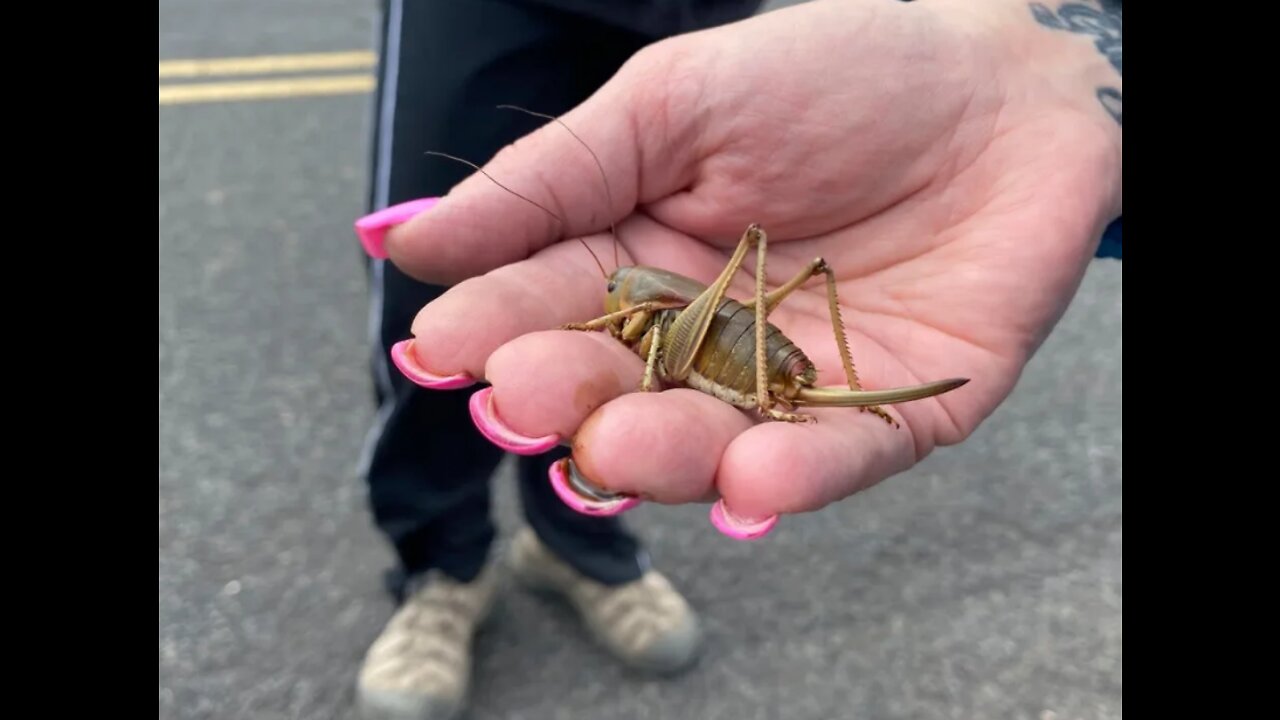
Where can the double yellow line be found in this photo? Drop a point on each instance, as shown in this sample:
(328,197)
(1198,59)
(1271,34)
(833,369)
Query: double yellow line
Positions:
(340,77)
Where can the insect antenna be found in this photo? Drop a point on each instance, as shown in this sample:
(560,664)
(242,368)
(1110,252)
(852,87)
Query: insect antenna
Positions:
(559,219)
(603,176)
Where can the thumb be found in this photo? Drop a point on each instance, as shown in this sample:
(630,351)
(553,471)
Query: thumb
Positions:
(575,175)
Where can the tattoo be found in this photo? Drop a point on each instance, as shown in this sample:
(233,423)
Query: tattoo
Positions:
(1110,99)
(1103,25)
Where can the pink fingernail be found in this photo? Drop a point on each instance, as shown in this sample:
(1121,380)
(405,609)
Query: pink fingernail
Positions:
(372,229)
(598,508)
(404,359)
(486,420)
(740,528)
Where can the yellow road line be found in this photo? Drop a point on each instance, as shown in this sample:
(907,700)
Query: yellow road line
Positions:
(261,64)
(265,89)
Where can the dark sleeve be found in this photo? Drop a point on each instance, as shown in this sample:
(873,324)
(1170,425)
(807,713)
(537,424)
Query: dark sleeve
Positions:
(1110,247)
(657,19)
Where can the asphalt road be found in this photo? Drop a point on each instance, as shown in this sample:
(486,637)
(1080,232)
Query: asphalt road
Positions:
(986,583)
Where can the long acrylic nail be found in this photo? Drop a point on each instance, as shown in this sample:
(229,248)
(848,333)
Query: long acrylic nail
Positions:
(372,229)
(564,478)
(404,359)
(740,528)
(489,425)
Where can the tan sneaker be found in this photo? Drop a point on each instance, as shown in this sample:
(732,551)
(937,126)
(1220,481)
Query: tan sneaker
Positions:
(419,668)
(647,624)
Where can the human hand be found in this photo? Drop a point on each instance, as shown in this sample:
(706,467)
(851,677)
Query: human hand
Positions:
(951,162)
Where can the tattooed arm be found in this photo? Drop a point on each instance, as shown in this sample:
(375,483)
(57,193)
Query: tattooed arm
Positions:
(1102,24)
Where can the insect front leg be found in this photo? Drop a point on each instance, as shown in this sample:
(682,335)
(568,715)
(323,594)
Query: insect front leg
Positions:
(651,347)
(608,321)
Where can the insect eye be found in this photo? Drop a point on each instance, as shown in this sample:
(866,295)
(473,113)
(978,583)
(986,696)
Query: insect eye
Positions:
(613,286)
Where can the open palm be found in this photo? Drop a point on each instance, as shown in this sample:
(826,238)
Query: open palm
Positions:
(958,216)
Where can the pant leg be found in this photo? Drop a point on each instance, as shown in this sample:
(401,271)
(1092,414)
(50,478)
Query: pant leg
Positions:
(445,66)
(601,548)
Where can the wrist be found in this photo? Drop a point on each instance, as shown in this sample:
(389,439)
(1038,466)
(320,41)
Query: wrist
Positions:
(1088,40)
(1064,50)
(1058,62)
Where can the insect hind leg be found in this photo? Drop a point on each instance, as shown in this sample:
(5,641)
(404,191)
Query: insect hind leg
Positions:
(815,267)
(842,341)
(763,304)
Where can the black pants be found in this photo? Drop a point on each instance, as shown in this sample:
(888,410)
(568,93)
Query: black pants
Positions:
(444,67)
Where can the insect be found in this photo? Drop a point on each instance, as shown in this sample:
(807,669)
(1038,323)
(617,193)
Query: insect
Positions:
(695,335)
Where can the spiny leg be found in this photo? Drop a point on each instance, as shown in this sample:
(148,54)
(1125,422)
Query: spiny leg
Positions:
(655,344)
(774,298)
(604,321)
(771,302)
(842,341)
(689,330)
(764,399)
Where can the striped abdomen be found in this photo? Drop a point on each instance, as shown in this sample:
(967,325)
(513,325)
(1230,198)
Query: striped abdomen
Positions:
(728,355)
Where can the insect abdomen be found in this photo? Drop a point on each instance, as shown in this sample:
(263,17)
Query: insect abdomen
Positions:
(728,357)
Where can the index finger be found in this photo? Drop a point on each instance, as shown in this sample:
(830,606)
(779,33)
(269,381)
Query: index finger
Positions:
(554,183)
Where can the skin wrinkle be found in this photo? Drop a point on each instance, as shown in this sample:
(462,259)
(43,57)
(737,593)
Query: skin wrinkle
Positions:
(942,401)
(558,206)
(661,85)
(529,277)
(891,261)
(714,168)
(946,174)
(842,262)
(519,282)
(603,190)
(938,327)
(454,351)
(950,333)
(554,228)
(956,152)
(547,303)
(636,199)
